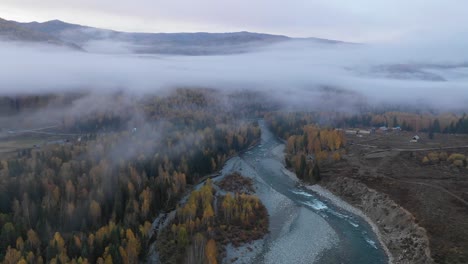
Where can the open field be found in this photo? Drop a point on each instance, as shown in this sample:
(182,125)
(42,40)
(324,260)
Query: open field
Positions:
(436,194)
(401,141)
(10,144)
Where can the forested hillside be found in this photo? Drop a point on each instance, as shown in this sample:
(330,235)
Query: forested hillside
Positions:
(92,199)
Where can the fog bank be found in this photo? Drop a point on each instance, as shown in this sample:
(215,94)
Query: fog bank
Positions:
(295,72)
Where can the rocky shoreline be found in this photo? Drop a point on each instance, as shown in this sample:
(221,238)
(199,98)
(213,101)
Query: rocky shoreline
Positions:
(283,216)
(327,191)
(337,201)
(403,239)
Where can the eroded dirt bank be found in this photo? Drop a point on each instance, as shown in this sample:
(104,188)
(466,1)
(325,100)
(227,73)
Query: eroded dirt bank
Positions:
(435,194)
(404,238)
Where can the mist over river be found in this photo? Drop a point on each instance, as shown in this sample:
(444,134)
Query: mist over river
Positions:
(304,227)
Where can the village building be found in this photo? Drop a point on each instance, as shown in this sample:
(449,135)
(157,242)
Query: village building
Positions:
(364,132)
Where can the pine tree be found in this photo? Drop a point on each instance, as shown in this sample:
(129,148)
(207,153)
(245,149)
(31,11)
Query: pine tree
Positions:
(316,172)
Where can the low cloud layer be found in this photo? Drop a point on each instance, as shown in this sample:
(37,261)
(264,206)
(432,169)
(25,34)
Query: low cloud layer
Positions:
(297,72)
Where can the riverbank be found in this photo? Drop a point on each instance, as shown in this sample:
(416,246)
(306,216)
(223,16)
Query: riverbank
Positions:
(340,203)
(337,201)
(289,224)
(303,229)
(403,239)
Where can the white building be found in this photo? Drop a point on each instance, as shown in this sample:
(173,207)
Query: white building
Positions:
(364,132)
(351,132)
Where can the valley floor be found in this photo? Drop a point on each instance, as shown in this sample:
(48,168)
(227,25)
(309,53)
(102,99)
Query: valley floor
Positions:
(435,195)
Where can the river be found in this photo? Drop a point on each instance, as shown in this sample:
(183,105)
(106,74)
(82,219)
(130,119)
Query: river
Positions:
(304,228)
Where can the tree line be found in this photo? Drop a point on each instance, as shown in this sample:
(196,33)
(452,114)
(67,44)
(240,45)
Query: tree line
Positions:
(308,146)
(418,122)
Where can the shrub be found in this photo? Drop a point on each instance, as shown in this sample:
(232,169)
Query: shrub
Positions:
(456,156)
(336,156)
(433,157)
(425,160)
(458,163)
(443,156)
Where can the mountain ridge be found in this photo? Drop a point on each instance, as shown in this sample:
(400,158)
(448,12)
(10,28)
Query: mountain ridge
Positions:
(180,43)
(11,31)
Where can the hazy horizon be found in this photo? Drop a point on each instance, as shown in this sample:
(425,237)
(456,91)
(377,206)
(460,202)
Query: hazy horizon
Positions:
(357,21)
(426,69)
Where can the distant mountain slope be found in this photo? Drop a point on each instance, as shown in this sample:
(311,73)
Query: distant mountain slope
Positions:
(13,31)
(51,27)
(81,34)
(166,43)
(103,40)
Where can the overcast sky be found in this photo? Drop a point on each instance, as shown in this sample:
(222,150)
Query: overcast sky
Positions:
(357,20)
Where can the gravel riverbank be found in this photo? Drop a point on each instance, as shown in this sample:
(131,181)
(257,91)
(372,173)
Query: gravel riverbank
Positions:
(402,237)
(290,226)
(338,202)
(303,229)
(319,190)
(306,225)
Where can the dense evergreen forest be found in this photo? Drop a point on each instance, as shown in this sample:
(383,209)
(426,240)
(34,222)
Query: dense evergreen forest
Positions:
(92,199)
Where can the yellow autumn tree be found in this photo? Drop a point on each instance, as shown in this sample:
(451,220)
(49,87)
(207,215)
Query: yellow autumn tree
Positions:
(95,211)
(133,246)
(210,252)
(208,214)
(145,198)
(12,256)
